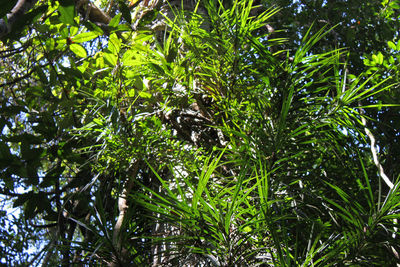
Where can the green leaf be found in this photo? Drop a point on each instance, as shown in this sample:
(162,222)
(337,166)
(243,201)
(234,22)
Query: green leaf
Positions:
(367,62)
(115,21)
(85,36)
(247,229)
(52,176)
(22,199)
(110,58)
(392,45)
(73,30)
(30,207)
(51,216)
(53,76)
(129,58)
(31,139)
(78,50)
(145,95)
(29,154)
(5,154)
(41,75)
(394,5)
(35,14)
(42,202)
(93,27)
(50,44)
(72,73)
(138,83)
(83,67)
(380,58)
(375,59)
(64,31)
(122,28)
(114,44)
(67,11)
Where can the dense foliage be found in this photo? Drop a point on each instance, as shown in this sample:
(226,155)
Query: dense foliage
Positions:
(199,133)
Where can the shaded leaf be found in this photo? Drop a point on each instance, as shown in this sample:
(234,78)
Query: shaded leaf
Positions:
(126,13)
(67,11)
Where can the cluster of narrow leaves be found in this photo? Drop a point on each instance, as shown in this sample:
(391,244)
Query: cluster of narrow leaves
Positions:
(291,187)
(205,143)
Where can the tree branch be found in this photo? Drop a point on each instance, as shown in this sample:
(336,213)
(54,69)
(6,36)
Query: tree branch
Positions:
(19,9)
(92,12)
(85,7)
(374,152)
(380,168)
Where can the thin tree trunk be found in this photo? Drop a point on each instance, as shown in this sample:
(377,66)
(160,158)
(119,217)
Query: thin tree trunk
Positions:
(123,208)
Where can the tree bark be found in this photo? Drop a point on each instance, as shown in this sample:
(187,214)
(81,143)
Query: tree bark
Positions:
(19,9)
(86,8)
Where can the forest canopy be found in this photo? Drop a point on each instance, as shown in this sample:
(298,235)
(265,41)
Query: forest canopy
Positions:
(199,133)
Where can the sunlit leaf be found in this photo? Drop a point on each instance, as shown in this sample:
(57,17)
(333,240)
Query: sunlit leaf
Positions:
(392,45)
(110,58)
(114,44)
(79,50)
(380,58)
(145,94)
(115,20)
(85,36)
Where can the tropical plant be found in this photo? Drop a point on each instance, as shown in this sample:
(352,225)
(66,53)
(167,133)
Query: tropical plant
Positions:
(193,134)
